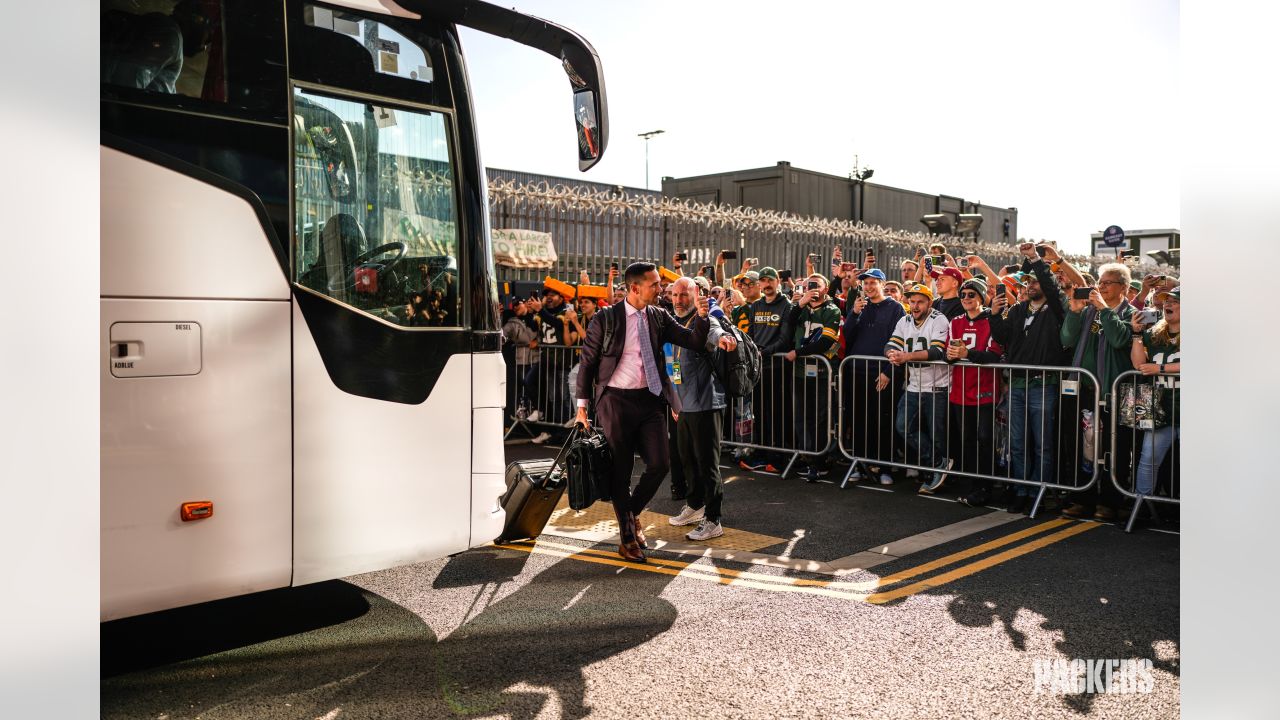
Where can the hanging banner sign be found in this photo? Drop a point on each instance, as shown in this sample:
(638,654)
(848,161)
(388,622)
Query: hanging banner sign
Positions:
(523,249)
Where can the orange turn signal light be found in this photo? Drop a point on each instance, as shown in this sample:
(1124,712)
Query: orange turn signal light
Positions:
(197,510)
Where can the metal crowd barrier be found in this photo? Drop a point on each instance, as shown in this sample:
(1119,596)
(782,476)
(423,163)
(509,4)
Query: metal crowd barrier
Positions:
(542,393)
(1145,429)
(897,428)
(788,413)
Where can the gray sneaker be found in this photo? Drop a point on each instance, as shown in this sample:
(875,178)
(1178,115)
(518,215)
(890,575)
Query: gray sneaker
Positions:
(688,516)
(938,478)
(706,530)
(542,437)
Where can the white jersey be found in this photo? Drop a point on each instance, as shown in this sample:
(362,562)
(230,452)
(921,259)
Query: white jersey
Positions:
(929,335)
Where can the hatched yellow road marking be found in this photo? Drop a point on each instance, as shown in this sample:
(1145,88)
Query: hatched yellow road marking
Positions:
(965,554)
(828,588)
(979,566)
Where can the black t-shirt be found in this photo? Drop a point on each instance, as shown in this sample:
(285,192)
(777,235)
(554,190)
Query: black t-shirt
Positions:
(551,326)
(950,307)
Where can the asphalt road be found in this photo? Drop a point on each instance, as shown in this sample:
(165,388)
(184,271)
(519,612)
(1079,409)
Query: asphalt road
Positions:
(563,630)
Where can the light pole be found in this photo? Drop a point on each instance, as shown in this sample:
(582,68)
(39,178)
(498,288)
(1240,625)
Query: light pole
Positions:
(859,176)
(646,136)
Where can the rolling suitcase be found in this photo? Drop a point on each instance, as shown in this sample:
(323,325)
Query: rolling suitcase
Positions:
(533,489)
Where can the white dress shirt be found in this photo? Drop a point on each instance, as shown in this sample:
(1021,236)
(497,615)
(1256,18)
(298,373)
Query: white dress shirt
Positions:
(629,375)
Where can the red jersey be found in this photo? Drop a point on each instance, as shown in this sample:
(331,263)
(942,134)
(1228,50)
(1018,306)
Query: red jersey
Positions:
(971,384)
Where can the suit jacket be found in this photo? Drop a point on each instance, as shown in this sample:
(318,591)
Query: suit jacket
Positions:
(597,368)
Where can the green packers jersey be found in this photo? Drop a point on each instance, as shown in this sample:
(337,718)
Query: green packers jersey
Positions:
(821,322)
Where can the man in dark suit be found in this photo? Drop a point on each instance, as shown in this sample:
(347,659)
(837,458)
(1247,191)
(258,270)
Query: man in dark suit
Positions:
(631,390)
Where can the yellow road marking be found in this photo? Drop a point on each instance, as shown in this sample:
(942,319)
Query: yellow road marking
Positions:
(655,566)
(976,550)
(843,586)
(979,566)
(827,588)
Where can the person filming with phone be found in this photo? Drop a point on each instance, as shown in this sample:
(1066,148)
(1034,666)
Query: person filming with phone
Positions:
(1099,333)
(816,320)
(1029,331)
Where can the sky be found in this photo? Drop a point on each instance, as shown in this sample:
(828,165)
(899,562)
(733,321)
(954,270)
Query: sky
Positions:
(1064,111)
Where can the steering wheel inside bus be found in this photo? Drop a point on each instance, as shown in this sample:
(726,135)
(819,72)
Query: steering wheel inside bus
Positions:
(348,277)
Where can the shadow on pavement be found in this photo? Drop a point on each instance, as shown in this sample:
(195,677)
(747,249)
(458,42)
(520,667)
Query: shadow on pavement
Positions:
(1100,607)
(336,650)
(544,634)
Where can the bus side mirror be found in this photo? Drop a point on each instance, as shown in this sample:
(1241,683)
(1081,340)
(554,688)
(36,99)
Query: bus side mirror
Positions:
(587,117)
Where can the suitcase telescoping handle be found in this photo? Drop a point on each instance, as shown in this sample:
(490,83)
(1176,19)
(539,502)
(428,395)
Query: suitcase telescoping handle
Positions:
(560,456)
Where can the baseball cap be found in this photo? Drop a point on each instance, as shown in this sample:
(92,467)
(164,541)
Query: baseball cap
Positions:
(1174,295)
(976,285)
(1135,284)
(876,273)
(950,271)
(768,272)
(702,282)
(919,289)
(751,275)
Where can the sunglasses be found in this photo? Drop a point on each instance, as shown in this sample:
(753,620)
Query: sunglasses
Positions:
(973,295)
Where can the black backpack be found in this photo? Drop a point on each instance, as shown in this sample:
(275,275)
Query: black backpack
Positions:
(737,370)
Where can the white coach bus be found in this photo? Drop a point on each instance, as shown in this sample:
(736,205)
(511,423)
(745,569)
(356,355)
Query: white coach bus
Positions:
(301,376)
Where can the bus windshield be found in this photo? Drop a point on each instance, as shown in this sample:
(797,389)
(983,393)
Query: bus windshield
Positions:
(375,210)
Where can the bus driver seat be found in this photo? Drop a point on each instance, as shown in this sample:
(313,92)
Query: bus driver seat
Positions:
(341,242)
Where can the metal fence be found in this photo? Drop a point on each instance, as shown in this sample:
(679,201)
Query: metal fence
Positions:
(788,413)
(593,225)
(1145,430)
(540,393)
(1037,428)
(1031,426)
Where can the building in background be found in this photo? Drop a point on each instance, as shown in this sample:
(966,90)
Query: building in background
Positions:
(1155,247)
(805,192)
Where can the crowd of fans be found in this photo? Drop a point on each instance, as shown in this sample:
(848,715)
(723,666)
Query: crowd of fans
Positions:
(936,381)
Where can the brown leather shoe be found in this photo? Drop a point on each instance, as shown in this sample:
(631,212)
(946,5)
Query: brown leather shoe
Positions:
(1104,513)
(631,553)
(640,533)
(1078,510)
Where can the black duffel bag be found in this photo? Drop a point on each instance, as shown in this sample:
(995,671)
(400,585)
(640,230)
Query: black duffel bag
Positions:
(589,465)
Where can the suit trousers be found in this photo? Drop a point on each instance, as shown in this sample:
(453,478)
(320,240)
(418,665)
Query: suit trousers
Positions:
(634,421)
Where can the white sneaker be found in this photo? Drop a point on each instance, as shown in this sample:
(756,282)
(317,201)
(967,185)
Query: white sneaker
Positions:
(688,516)
(542,437)
(855,476)
(571,422)
(913,473)
(706,530)
(886,478)
(534,416)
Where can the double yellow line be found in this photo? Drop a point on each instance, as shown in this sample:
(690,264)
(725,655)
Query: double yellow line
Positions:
(866,591)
